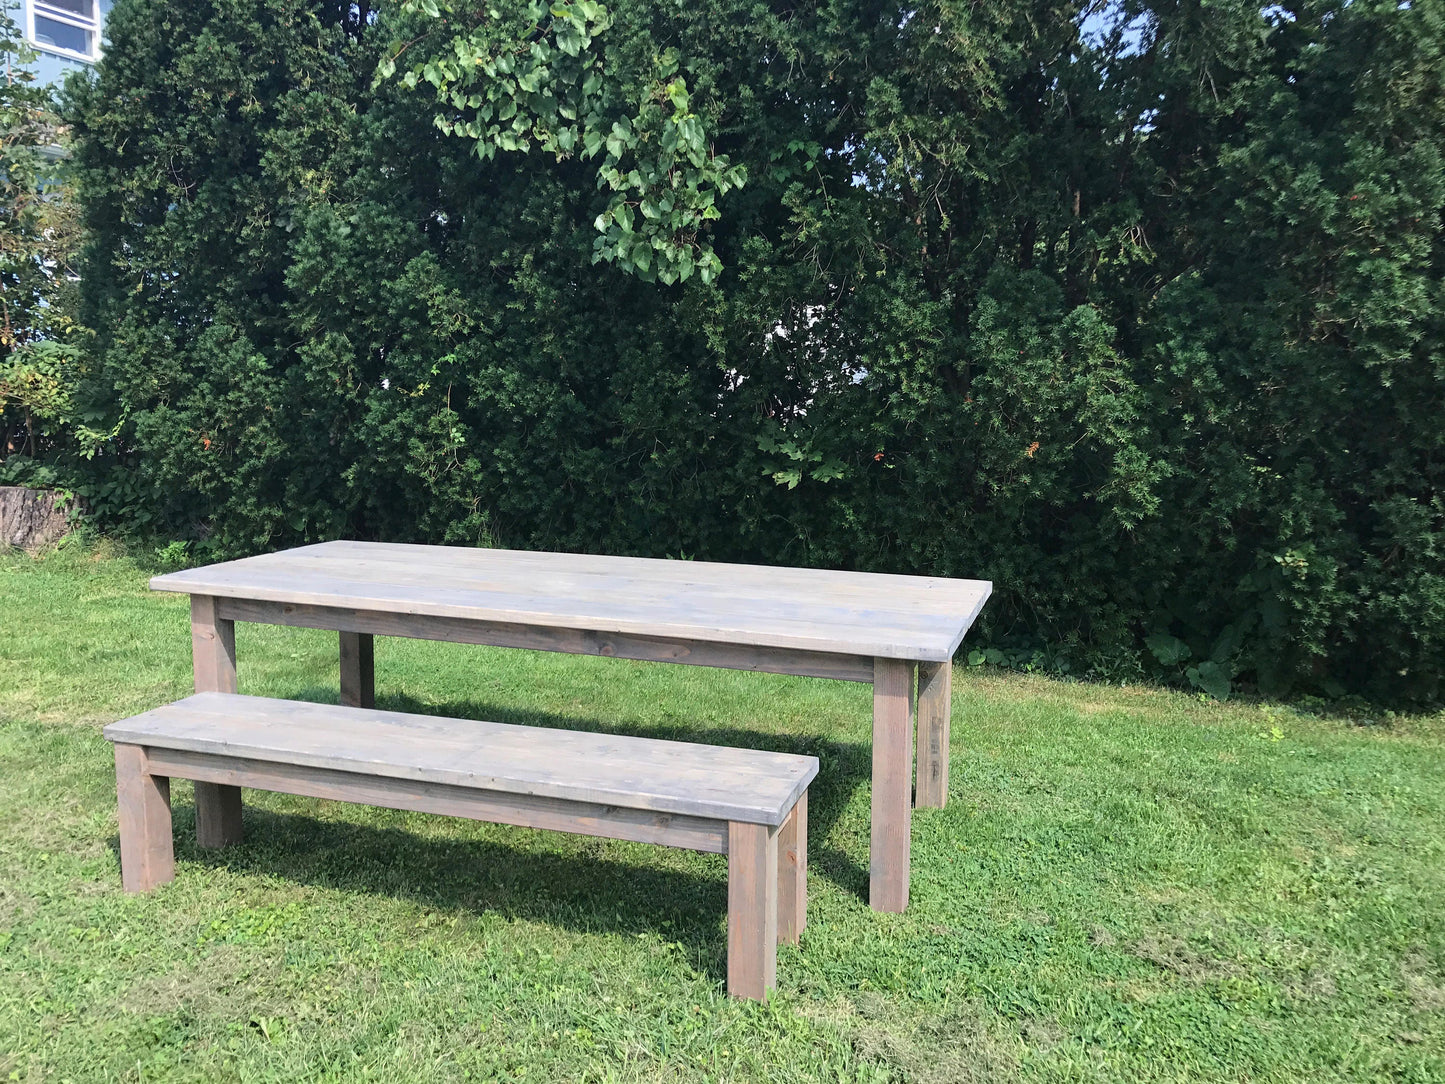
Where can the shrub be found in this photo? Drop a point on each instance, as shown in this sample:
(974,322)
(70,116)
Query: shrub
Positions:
(1142,323)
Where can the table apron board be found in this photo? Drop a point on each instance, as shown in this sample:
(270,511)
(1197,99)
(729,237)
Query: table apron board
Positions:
(773,660)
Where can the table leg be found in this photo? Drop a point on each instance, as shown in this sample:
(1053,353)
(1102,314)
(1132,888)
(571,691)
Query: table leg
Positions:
(892,783)
(935,688)
(213,647)
(213,657)
(358,670)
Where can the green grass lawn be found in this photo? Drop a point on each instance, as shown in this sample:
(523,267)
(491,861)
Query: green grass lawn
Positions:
(1127,884)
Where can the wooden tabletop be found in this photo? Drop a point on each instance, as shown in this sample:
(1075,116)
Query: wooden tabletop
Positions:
(918,618)
(749,785)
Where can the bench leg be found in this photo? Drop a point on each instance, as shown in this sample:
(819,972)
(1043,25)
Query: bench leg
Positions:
(935,689)
(147,855)
(213,656)
(218,815)
(892,825)
(358,670)
(793,873)
(752,909)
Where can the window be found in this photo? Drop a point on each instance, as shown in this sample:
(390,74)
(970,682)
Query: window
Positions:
(68,27)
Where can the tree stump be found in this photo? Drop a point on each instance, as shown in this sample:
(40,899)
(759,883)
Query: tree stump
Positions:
(31,519)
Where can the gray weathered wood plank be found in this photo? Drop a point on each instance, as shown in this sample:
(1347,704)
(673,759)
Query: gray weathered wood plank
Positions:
(147,854)
(892,805)
(523,810)
(218,816)
(707,781)
(752,909)
(935,690)
(213,660)
(358,669)
(862,614)
(213,647)
(793,873)
(772,660)
(684,614)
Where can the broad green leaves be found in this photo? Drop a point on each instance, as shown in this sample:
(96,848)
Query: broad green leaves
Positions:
(791,459)
(545,83)
(1211,676)
(1169,650)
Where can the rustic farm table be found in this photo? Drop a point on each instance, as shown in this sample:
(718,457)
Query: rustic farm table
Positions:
(898,632)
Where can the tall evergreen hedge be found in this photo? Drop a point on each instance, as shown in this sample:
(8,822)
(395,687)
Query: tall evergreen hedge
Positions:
(1144,322)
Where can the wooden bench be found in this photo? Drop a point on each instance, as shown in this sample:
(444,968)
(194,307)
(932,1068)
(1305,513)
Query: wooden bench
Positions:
(750,805)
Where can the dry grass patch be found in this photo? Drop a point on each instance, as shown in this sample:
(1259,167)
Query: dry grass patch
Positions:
(1423,984)
(953,1047)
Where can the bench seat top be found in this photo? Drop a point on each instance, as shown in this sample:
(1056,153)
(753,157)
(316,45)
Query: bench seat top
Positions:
(711,781)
